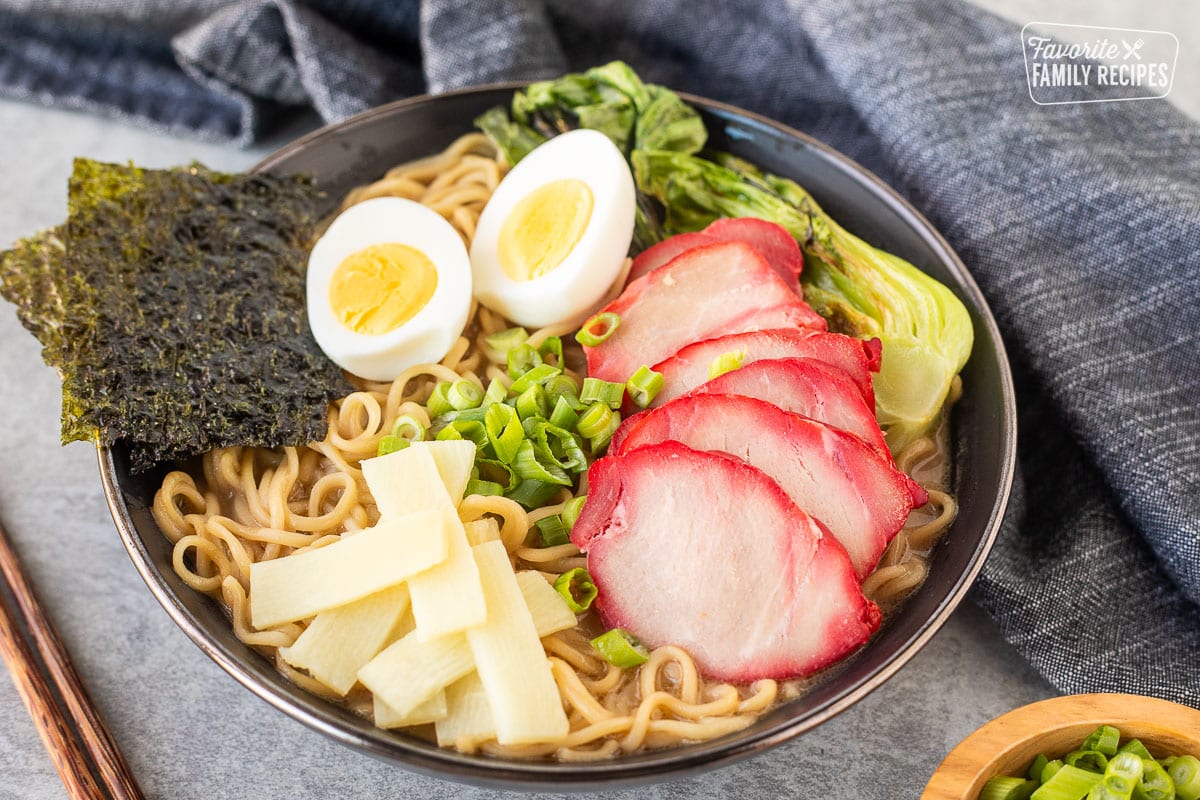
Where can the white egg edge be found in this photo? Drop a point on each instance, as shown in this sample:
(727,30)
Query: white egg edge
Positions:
(569,278)
(432,330)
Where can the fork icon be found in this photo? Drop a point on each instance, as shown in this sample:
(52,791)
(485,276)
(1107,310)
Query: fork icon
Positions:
(1132,50)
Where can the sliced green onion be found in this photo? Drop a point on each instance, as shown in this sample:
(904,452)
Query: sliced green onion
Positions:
(577,589)
(1050,769)
(503,341)
(1067,782)
(552,346)
(1002,787)
(1123,773)
(521,359)
(598,391)
(595,420)
(600,441)
(726,362)
(571,510)
(538,375)
(598,328)
(390,444)
(408,427)
(472,414)
(504,431)
(448,434)
(563,416)
(464,394)
(497,472)
(620,649)
(465,429)
(533,493)
(1185,772)
(1091,760)
(643,386)
(557,446)
(439,401)
(1035,769)
(528,467)
(532,403)
(485,488)
(1104,739)
(563,386)
(496,392)
(1136,747)
(552,531)
(1155,784)
(530,424)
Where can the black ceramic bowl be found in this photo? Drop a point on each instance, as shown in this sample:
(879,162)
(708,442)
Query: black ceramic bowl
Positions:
(984,435)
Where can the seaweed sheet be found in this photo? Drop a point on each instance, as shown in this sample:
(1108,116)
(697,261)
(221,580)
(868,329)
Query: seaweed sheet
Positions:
(172,302)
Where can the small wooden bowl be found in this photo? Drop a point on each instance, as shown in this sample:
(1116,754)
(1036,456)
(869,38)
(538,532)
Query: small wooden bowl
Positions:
(1008,744)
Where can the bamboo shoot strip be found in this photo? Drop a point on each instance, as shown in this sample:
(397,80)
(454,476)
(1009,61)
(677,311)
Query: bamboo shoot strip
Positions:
(410,671)
(301,585)
(431,476)
(509,657)
(447,598)
(433,709)
(546,606)
(340,641)
(422,477)
(468,719)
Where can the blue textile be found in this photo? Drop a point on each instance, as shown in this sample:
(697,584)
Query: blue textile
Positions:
(1080,223)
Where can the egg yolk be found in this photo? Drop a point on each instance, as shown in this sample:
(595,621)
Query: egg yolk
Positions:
(381,287)
(543,228)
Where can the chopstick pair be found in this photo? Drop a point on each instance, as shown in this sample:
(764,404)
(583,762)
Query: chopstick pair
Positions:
(83,750)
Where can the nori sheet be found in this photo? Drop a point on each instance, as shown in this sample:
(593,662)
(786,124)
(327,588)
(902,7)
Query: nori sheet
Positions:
(172,302)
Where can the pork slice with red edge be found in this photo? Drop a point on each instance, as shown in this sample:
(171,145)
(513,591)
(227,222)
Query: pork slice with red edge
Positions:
(656,255)
(804,386)
(709,291)
(832,475)
(772,241)
(689,367)
(703,551)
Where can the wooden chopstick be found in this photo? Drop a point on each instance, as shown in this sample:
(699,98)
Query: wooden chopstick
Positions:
(80,745)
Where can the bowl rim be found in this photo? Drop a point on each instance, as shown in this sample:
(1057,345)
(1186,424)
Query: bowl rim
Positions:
(671,763)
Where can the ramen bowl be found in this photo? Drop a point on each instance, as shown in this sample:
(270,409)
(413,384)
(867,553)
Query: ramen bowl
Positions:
(1008,744)
(983,438)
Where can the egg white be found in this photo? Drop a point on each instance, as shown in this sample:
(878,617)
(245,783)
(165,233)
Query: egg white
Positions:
(583,277)
(430,333)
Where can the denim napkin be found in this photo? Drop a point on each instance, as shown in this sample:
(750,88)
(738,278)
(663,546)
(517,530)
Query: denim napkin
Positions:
(1080,222)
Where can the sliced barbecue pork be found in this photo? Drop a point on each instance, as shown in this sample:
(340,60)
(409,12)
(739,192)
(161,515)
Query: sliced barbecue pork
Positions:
(703,551)
(804,386)
(707,292)
(656,255)
(689,367)
(771,241)
(832,475)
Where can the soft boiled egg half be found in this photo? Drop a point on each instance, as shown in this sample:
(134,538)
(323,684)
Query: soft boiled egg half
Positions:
(554,235)
(389,286)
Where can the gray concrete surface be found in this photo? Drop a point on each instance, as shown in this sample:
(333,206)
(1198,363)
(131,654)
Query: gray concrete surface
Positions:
(190,731)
